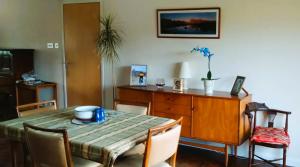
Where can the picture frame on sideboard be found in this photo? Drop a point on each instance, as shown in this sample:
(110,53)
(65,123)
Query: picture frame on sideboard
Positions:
(138,75)
(238,85)
(178,84)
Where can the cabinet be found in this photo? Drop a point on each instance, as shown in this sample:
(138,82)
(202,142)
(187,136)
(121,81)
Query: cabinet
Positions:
(216,118)
(13,63)
(36,93)
(220,120)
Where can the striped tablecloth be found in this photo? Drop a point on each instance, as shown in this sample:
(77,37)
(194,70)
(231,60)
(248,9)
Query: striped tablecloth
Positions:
(102,143)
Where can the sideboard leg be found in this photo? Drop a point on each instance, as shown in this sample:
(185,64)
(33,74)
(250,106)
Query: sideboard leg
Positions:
(235,151)
(226,155)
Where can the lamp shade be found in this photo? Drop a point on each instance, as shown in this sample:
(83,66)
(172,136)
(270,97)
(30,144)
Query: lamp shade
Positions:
(184,70)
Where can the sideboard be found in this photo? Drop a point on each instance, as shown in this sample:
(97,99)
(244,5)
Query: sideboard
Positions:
(216,118)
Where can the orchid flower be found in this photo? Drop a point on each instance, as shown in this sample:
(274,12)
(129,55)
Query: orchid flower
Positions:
(206,53)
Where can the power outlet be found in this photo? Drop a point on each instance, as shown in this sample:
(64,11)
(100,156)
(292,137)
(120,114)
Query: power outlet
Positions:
(50,45)
(56,45)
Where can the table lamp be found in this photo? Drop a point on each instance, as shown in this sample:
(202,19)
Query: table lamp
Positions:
(184,73)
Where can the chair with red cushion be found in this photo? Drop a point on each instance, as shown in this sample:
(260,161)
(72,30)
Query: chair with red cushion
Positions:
(267,136)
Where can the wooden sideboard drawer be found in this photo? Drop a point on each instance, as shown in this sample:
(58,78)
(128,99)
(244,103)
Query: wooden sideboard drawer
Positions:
(173,99)
(134,95)
(186,122)
(186,131)
(172,108)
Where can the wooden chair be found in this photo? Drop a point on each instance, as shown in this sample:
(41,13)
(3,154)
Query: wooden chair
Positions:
(32,108)
(50,147)
(133,107)
(162,144)
(267,136)
(138,108)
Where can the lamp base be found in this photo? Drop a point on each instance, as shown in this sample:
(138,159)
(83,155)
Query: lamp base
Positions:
(185,87)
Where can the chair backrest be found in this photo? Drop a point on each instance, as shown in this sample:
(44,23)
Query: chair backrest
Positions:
(162,144)
(262,107)
(133,107)
(48,147)
(32,108)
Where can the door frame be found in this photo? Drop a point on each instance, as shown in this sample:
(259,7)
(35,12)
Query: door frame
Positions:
(64,64)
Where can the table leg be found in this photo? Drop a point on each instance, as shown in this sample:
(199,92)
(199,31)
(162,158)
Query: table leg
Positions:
(13,146)
(226,155)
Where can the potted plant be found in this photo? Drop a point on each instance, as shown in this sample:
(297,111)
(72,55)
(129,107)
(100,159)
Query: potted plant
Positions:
(108,43)
(208,81)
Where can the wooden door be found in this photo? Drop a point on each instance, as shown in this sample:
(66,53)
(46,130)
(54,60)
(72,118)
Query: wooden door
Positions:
(81,25)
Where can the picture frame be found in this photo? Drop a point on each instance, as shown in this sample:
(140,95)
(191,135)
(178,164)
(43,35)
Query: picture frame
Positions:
(178,84)
(138,75)
(238,85)
(189,23)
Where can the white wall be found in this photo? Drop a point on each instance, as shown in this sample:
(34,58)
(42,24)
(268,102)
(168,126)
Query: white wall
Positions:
(31,24)
(259,39)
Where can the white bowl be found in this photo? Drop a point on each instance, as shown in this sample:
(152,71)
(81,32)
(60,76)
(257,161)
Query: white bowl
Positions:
(85,112)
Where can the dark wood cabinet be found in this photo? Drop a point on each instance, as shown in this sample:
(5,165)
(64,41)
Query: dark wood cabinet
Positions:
(13,63)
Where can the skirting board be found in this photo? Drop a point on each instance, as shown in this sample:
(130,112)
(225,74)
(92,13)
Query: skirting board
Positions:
(290,160)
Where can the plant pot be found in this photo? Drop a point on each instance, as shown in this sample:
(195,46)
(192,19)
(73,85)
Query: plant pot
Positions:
(209,86)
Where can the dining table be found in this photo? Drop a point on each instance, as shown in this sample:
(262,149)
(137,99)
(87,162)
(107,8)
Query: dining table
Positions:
(100,142)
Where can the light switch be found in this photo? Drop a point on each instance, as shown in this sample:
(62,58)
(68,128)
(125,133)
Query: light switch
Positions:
(56,45)
(49,45)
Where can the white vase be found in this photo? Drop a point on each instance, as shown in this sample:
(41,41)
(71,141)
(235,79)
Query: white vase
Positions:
(209,86)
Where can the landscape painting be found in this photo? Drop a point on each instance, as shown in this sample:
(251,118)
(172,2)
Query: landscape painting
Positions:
(188,23)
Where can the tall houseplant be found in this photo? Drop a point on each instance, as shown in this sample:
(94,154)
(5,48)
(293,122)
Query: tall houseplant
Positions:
(108,43)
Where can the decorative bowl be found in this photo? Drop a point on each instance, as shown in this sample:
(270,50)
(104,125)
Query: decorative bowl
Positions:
(85,113)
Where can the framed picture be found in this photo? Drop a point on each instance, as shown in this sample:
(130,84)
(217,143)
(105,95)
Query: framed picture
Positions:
(178,84)
(238,85)
(188,23)
(138,75)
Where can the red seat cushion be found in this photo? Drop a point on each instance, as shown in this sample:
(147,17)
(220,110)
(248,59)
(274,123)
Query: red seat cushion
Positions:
(271,136)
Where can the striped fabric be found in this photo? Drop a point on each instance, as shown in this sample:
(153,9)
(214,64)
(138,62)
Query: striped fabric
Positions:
(102,143)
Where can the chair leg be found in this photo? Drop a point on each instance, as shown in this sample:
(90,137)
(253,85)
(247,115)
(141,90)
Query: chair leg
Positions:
(173,160)
(253,153)
(284,157)
(250,155)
